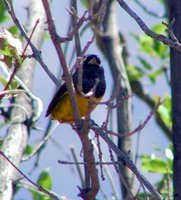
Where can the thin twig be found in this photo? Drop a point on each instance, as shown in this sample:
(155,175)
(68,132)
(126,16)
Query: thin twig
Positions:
(100,156)
(126,160)
(169,41)
(141,126)
(116,167)
(66,74)
(152,13)
(30,187)
(91,167)
(108,173)
(136,155)
(80,22)
(36,101)
(89,42)
(36,52)
(31,35)
(34,184)
(72,149)
(74,24)
(18,63)
(64,162)
(41,144)
(170,30)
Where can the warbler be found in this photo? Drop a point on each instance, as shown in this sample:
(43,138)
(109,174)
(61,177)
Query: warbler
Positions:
(93,84)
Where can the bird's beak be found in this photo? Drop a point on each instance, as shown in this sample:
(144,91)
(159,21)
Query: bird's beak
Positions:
(93,61)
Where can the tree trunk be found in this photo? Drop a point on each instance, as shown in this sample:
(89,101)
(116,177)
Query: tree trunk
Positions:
(17,134)
(174,9)
(112,49)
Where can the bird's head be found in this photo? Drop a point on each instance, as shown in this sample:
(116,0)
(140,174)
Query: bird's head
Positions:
(91,60)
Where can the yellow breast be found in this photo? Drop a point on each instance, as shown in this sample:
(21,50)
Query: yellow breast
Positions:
(63,110)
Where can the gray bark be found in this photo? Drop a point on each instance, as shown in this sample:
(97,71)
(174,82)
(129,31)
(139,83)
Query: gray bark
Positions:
(17,134)
(174,8)
(113,52)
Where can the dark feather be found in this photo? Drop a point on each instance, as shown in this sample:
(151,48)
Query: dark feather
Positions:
(58,95)
(91,71)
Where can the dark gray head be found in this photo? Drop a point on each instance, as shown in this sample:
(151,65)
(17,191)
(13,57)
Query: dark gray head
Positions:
(91,59)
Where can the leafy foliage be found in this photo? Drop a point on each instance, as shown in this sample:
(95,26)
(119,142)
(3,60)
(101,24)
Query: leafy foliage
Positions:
(11,49)
(3,13)
(45,181)
(13,85)
(153,164)
(134,73)
(153,58)
(165,111)
(28,150)
(163,166)
(151,46)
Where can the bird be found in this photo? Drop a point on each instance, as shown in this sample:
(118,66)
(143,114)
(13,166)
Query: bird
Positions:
(93,85)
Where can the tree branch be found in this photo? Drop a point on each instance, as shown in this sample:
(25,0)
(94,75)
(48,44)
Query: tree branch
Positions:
(140,92)
(17,134)
(112,49)
(169,41)
(82,131)
(89,193)
(126,160)
(66,74)
(51,195)
(36,52)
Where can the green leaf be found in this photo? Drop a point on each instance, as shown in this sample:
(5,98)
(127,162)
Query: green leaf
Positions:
(165,116)
(154,47)
(37,196)
(45,181)
(170,147)
(84,3)
(47,36)
(134,72)
(11,48)
(160,49)
(3,13)
(154,75)
(170,166)
(168,104)
(161,1)
(146,45)
(154,165)
(169,153)
(6,51)
(3,81)
(170,157)
(14,84)
(164,111)
(28,150)
(145,64)
(159,28)
(13,29)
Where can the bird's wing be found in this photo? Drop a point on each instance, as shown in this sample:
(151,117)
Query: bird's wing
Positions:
(59,94)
